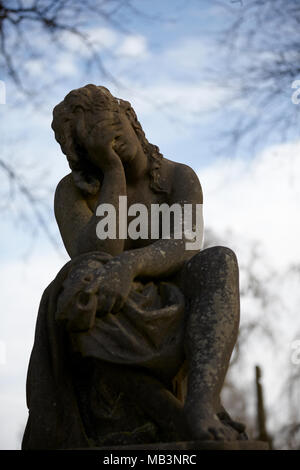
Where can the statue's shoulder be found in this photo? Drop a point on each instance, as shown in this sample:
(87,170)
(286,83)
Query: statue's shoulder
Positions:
(184,181)
(66,190)
(177,170)
(67,196)
(65,184)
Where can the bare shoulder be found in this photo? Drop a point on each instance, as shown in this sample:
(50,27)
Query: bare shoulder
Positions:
(68,199)
(62,192)
(65,186)
(71,212)
(66,189)
(181,169)
(176,169)
(184,180)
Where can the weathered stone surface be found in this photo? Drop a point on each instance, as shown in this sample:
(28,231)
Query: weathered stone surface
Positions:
(134,335)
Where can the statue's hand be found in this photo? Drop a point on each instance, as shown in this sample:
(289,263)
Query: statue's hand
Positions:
(112,284)
(99,138)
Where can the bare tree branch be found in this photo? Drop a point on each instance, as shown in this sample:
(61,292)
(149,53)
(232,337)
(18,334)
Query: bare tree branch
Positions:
(53,18)
(35,204)
(260,56)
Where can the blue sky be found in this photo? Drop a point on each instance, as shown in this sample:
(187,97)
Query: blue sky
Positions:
(250,197)
(160,64)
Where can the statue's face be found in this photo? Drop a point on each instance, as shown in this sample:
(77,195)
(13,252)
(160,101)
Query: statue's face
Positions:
(126,144)
(112,127)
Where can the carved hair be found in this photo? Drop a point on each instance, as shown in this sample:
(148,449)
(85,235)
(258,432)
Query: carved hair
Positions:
(92,98)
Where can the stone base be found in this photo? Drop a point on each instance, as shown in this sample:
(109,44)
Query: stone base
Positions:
(194,445)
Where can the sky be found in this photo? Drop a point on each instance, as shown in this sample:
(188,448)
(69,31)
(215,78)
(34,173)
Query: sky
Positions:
(251,198)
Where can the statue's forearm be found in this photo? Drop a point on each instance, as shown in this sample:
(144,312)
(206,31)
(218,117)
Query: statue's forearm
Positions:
(161,258)
(113,186)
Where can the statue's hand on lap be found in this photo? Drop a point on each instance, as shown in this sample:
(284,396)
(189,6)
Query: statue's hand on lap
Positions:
(111,284)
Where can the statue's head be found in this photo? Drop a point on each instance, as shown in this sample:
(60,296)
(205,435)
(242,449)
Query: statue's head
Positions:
(93,101)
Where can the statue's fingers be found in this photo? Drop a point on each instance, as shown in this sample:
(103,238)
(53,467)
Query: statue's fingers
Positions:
(111,134)
(93,287)
(225,417)
(108,303)
(119,304)
(105,302)
(240,427)
(218,434)
(100,303)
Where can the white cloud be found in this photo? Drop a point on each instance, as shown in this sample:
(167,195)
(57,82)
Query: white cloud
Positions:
(65,65)
(258,200)
(22,285)
(133,46)
(255,200)
(34,67)
(184,101)
(13,416)
(188,54)
(101,38)
(130,45)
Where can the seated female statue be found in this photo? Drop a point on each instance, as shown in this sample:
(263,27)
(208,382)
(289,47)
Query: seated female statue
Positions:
(129,320)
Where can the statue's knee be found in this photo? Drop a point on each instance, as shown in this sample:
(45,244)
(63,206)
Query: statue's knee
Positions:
(212,255)
(209,270)
(210,263)
(223,255)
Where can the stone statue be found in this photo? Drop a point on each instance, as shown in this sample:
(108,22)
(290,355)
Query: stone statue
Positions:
(134,335)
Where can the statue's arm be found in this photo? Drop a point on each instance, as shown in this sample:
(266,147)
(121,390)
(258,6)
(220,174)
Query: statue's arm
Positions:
(165,256)
(159,259)
(77,223)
